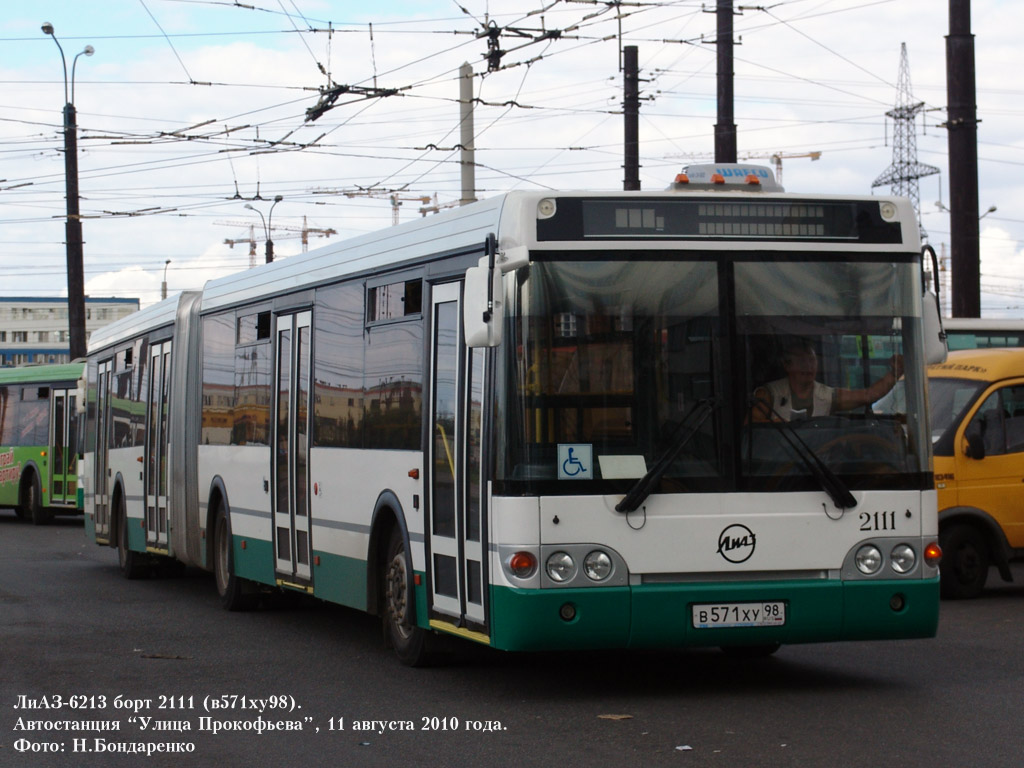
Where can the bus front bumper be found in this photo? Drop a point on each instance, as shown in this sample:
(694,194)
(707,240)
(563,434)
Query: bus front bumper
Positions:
(662,615)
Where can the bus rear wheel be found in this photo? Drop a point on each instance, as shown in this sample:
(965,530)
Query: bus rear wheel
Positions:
(131,563)
(236,594)
(409,642)
(965,562)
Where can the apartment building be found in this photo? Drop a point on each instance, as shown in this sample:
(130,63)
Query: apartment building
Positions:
(35,329)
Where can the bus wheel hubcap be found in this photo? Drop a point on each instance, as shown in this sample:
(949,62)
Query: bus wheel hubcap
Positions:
(396,595)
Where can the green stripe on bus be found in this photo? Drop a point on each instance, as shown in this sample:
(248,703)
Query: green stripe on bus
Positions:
(255,561)
(340,579)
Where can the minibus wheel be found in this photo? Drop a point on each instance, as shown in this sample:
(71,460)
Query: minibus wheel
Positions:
(965,561)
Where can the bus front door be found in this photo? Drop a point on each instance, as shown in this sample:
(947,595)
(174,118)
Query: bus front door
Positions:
(63,449)
(101,491)
(155,476)
(457,567)
(292,544)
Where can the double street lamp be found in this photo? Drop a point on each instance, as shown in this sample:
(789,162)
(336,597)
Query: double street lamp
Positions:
(267,224)
(73,223)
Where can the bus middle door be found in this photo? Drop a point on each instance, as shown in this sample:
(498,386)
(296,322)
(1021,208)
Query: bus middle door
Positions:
(101,487)
(457,565)
(290,497)
(63,448)
(157,440)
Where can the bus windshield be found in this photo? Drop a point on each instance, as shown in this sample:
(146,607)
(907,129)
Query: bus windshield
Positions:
(616,367)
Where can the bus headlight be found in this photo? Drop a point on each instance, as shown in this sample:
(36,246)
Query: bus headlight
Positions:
(560,567)
(902,558)
(597,565)
(868,559)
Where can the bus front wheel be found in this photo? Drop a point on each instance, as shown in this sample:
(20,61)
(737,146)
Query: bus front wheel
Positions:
(32,501)
(400,631)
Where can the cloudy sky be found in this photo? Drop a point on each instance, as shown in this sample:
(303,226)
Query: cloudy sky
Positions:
(190,110)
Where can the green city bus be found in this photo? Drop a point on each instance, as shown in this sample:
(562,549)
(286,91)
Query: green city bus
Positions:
(38,440)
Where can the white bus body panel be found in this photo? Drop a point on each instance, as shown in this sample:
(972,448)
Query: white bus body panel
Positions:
(346,484)
(245,472)
(677,534)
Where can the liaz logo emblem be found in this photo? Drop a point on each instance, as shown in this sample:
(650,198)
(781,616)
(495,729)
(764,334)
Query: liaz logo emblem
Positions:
(736,543)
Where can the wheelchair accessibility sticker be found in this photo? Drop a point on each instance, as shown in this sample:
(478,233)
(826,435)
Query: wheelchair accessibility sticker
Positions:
(575,461)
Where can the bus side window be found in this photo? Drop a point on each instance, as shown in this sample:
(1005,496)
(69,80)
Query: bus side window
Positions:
(1013,404)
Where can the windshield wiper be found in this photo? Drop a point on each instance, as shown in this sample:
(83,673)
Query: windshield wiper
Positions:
(827,479)
(645,486)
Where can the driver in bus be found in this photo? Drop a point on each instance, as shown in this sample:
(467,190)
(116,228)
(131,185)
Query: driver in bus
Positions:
(801,396)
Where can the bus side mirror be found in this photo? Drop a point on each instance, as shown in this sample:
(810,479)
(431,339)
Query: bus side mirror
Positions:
(934,335)
(80,386)
(975,445)
(481,305)
(931,311)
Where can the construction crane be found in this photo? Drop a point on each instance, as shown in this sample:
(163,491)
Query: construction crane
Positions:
(395,198)
(777,157)
(302,232)
(251,240)
(396,201)
(305,231)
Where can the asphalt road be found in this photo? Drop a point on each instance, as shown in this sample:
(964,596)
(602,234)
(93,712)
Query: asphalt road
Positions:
(114,651)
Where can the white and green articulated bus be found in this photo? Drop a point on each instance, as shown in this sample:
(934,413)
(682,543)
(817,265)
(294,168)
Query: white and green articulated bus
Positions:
(531,422)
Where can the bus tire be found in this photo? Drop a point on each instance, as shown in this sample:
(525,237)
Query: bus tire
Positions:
(133,564)
(32,501)
(965,561)
(236,594)
(409,642)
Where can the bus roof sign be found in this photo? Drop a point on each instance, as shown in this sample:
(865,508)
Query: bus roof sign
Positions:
(732,177)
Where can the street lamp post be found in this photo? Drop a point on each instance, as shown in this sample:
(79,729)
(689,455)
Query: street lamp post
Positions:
(267,224)
(73,223)
(163,285)
(270,228)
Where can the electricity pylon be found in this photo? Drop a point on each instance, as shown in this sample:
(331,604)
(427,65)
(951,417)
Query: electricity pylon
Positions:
(904,172)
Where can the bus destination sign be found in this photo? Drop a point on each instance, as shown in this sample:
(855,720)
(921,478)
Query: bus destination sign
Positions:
(717,219)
